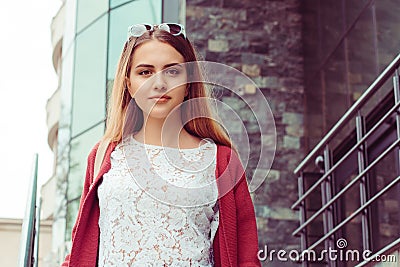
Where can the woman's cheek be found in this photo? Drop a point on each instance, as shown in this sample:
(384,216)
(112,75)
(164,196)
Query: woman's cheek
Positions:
(144,85)
(176,82)
(139,88)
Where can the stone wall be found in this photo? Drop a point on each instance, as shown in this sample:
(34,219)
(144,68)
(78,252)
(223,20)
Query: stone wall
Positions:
(263,39)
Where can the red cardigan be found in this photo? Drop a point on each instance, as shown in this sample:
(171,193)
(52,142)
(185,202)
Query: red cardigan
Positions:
(235,242)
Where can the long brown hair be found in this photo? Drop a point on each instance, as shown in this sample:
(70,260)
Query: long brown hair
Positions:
(121,111)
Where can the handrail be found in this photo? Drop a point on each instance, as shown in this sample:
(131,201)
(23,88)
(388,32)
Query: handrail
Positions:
(349,185)
(380,252)
(382,78)
(27,242)
(343,158)
(355,213)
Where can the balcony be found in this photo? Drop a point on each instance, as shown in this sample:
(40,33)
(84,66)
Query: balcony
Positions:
(57,33)
(53,116)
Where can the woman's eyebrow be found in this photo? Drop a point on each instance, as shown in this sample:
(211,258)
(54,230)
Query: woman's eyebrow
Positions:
(144,66)
(151,66)
(172,64)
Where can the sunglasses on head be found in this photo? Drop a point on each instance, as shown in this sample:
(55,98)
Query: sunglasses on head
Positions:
(138,30)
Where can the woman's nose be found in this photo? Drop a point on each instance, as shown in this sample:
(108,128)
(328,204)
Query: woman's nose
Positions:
(159,81)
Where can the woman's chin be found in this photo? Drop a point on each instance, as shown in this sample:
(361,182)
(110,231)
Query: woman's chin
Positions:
(156,114)
(162,112)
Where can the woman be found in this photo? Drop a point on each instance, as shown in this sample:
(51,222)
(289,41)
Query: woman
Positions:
(171,190)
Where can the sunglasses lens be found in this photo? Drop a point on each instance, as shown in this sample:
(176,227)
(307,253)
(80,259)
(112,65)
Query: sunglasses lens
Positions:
(175,29)
(138,29)
(164,27)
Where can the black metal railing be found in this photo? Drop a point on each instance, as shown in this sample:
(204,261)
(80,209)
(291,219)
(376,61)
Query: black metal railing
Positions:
(346,146)
(29,243)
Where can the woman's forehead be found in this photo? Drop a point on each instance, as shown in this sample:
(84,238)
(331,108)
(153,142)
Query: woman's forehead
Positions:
(156,53)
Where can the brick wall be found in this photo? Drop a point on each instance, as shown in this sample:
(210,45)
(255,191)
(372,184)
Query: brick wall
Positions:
(263,39)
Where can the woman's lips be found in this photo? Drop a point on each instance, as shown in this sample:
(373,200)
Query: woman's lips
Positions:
(161,99)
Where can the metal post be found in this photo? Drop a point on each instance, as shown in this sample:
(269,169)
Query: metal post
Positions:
(326,190)
(37,234)
(302,217)
(362,161)
(396,88)
(28,226)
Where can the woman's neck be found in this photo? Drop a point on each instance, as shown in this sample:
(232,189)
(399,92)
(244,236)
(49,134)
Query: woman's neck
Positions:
(165,132)
(168,133)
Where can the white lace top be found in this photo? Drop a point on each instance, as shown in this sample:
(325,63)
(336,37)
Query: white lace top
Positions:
(158,206)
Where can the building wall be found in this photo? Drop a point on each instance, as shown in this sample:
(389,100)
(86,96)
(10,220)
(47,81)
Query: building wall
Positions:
(263,39)
(10,233)
(347,44)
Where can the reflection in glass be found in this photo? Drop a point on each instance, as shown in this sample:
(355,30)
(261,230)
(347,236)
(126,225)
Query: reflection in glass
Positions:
(348,202)
(315,230)
(72,213)
(89,94)
(114,3)
(347,44)
(388,20)
(63,138)
(352,233)
(80,149)
(88,11)
(361,54)
(386,219)
(335,87)
(315,117)
(353,9)
(331,23)
(385,211)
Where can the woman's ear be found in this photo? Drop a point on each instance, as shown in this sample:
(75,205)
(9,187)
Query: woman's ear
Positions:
(128,86)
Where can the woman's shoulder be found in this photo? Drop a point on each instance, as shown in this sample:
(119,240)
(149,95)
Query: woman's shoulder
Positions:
(93,152)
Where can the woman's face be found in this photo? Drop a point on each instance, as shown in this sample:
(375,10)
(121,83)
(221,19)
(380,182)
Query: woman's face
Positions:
(157,80)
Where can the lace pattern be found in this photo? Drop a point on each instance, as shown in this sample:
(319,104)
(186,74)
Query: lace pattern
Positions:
(156,209)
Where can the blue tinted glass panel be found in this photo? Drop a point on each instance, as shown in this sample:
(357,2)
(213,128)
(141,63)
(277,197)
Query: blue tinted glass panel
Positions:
(88,11)
(72,213)
(141,11)
(90,77)
(114,3)
(80,149)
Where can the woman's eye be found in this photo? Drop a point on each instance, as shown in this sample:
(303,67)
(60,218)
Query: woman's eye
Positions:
(145,72)
(172,72)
